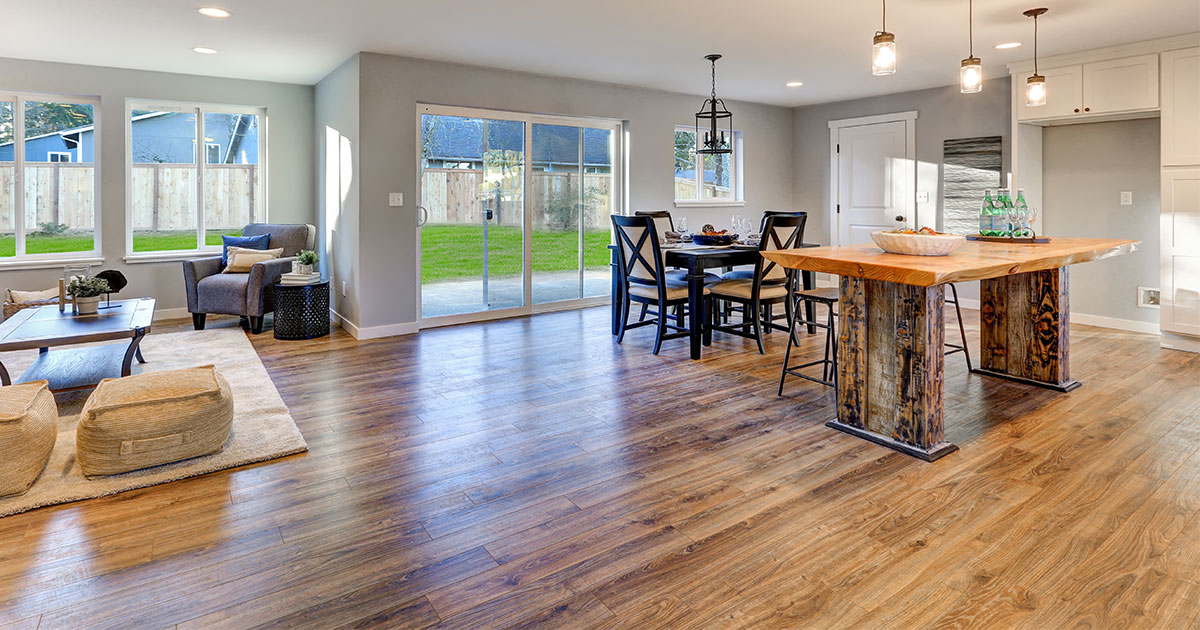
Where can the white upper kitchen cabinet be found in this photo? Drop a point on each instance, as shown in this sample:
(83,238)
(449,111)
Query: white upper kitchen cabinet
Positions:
(1181,107)
(1120,85)
(1064,94)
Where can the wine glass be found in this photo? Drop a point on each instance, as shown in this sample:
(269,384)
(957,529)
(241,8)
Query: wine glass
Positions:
(681,225)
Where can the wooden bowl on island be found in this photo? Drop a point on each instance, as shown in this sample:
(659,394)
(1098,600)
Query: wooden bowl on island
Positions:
(917,243)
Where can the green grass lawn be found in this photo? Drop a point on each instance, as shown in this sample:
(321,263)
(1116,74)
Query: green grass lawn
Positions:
(455,252)
(36,243)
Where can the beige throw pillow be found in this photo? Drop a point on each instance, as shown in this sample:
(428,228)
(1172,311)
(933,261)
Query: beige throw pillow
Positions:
(19,297)
(242,259)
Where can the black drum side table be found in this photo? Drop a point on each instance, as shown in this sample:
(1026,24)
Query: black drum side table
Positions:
(301,311)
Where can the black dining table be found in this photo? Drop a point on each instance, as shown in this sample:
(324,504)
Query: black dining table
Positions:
(695,259)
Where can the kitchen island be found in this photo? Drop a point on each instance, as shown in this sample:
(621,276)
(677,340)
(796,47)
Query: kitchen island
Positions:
(891,330)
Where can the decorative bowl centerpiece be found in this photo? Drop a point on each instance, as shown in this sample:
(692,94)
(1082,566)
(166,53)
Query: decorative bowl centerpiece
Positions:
(923,242)
(708,235)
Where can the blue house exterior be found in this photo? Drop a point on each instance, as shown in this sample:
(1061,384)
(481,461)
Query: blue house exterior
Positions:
(158,137)
(451,141)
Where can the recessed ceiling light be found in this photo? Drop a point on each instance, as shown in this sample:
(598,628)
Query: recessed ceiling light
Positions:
(794,83)
(1008,45)
(204,51)
(214,12)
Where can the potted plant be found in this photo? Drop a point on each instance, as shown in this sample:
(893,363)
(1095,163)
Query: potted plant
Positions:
(86,292)
(305,263)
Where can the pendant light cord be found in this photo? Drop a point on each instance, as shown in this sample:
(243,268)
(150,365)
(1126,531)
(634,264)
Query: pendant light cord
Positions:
(884,16)
(971,26)
(1035,38)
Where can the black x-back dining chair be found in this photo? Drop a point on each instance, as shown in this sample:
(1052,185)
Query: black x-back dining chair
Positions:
(643,279)
(771,284)
(663,223)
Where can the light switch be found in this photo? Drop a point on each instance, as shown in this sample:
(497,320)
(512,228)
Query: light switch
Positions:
(395,200)
(1126,197)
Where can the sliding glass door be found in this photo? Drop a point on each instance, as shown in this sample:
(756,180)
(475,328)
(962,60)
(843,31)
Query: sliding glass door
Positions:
(473,189)
(501,237)
(571,197)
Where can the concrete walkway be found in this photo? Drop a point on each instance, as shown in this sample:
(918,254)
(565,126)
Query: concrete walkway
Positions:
(466,296)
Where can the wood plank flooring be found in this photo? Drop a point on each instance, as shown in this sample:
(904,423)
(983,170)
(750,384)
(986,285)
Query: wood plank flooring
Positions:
(531,473)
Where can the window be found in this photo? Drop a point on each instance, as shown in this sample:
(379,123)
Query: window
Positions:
(181,201)
(717,180)
(47,200)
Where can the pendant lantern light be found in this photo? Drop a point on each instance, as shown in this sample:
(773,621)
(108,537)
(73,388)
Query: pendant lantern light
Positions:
(715,142)
(883,50)
(970,76)
(1035,85)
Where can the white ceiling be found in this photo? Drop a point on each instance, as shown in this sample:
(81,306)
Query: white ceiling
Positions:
(651,43)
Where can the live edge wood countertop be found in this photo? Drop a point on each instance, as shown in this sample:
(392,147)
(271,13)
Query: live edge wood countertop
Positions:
(975,260)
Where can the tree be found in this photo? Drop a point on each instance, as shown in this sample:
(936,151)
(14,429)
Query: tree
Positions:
(43,118)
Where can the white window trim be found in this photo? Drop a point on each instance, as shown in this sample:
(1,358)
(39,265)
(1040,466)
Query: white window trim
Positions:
(69,159)
(21,260)
(739,198)
(200,109)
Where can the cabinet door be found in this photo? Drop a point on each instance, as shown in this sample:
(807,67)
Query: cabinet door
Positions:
(1181,107)
(1064,94)
(1120,85)
(1180,250)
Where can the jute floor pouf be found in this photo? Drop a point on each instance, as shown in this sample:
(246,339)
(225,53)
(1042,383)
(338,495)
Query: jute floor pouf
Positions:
(28,428)
(153,418)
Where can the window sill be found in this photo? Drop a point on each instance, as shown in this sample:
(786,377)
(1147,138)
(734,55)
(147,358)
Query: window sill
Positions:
(49,263)
(156,257)
(712,203)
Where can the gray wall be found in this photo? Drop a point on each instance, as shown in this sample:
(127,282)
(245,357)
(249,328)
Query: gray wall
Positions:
(941,113)
(391,87)
(337,104)
(1084,168)
(290,191)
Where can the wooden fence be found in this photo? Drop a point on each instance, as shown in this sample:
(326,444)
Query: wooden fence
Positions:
(163,195)
(686,189)
(454,196)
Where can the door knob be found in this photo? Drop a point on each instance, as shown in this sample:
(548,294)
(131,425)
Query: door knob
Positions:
(900,217)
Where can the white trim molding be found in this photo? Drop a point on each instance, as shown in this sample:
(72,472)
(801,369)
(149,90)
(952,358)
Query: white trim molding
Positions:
(373,332)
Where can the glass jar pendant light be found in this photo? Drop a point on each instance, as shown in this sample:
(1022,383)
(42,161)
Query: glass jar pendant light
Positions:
(970,76)
(883,50)
(1035,85)
(715,142)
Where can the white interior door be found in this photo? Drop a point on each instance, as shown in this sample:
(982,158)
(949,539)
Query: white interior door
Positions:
(876,179)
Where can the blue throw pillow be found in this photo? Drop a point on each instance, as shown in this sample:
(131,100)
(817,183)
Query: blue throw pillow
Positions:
(262,241)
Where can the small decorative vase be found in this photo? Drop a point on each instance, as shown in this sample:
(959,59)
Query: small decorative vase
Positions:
(301,269)
(87,305)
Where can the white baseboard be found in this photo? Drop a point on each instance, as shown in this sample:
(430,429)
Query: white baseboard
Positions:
(161,314)
(969,303)
(373,332)
(1175,341)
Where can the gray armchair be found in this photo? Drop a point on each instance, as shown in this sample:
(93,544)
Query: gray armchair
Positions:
(244,294)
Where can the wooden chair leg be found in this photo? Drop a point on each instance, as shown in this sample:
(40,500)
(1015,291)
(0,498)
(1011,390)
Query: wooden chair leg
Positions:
(756,309)
(625,318)
(642,317)
(662,326)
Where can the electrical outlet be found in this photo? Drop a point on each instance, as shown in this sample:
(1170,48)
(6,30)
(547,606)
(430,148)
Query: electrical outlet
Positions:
(396,200)
(344,291)
(923,196)
(1148,297)
(1126,197)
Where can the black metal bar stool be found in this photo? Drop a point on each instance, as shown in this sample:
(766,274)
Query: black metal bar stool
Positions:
(961,330)
(828,297)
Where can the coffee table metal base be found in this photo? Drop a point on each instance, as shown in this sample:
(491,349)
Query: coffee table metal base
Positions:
(77,368)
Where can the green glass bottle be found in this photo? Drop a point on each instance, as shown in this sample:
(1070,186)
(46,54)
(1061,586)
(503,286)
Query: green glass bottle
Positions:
(986,210)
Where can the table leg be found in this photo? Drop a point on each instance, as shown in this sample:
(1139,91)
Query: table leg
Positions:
(1024,329)
(890,366)
(127,361)
(4,379)
(695,305)
(809,281)
(138,354)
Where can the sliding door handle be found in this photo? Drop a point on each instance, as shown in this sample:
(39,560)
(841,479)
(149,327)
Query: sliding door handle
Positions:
(424,218)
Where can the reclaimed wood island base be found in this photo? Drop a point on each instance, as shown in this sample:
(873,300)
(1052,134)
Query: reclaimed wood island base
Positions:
(892,330)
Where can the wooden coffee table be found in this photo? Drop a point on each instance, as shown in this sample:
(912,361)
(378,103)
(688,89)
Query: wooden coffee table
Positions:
(44,327)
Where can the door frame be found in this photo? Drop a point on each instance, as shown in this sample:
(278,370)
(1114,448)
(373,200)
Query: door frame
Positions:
(909,118)
(618,195)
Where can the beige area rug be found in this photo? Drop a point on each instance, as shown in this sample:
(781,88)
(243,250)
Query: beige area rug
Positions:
(262,427)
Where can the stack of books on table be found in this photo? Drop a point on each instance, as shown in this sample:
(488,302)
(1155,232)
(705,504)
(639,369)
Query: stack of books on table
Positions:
(298,279)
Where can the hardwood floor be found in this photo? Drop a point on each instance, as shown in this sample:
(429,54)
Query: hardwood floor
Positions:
(530,473)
